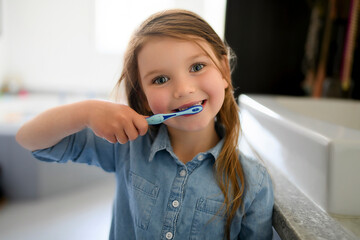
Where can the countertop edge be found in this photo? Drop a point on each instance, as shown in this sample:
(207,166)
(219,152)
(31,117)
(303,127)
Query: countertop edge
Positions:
(296,217)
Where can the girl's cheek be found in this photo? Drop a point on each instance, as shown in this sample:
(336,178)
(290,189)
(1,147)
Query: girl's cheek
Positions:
(156,108)
(157,104)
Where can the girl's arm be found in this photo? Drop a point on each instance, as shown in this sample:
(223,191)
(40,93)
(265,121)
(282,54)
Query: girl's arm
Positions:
(112,121)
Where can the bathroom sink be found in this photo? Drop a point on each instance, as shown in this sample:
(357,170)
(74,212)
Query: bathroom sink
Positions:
(315,143)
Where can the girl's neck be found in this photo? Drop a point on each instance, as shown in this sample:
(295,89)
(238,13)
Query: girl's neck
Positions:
(186,145)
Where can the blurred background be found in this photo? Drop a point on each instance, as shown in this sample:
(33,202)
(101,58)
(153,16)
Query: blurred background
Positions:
(56,52)
(77,46)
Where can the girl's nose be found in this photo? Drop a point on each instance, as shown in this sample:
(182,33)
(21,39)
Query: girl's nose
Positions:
(183,88)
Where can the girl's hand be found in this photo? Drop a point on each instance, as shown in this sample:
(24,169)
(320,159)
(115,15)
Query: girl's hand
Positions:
(111,121)
(115,122)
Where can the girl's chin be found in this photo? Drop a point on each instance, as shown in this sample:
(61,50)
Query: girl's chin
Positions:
(193,126)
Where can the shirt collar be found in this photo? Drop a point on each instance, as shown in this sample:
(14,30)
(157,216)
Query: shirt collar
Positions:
(162,142)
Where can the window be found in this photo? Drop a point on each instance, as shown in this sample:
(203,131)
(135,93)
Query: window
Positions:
(115,20)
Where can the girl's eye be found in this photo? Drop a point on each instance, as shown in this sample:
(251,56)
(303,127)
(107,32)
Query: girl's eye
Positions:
(161,80)
(197,67)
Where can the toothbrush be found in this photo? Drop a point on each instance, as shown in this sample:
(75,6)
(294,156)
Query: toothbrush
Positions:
(159,118)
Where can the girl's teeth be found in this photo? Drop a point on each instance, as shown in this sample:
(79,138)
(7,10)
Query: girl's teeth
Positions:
(182,109)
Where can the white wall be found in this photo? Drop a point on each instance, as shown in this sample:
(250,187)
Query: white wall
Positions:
(51,47)
(108,18)
(3,54)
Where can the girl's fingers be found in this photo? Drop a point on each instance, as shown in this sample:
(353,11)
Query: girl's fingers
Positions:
(131,132)
(141,125)
(111,139)
(121,137)
(118,123)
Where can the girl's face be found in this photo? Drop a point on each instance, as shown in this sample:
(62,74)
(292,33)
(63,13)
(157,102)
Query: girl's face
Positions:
(176,74)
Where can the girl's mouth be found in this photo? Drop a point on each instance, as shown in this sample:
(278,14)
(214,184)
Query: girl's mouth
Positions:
(184,107)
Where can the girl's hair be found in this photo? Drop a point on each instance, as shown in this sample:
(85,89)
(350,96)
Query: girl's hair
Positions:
(186,25)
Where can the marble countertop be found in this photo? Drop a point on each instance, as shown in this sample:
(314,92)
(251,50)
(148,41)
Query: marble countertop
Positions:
(296,217)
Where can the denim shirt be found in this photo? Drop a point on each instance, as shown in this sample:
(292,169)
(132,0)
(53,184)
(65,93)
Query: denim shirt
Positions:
(159,197)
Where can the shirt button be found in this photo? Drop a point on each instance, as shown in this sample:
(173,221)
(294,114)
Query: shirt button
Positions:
(175,203)
(201,157)
(169,235)
(182,173)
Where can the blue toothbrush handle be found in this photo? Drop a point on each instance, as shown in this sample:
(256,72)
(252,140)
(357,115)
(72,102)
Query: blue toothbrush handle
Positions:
(159,118)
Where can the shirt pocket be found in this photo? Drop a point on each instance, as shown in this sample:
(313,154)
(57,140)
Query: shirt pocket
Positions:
(209,220)
(143,199)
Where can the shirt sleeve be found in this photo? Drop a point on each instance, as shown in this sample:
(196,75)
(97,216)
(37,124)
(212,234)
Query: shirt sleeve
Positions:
(81,147)
(257,222)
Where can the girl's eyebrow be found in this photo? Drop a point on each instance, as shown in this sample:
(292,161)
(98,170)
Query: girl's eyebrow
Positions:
(152,72)
(156,71)
(197,56)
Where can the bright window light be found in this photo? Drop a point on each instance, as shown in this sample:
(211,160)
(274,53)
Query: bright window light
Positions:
(115,20)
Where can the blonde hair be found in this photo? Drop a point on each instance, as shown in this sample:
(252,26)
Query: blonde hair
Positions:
(182,24)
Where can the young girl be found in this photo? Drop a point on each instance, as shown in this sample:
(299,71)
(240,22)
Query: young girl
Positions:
(185,178)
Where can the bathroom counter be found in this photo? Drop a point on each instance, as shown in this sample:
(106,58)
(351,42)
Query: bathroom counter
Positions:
(296,217)
(16,109)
